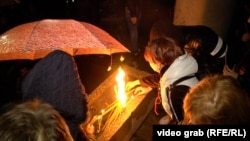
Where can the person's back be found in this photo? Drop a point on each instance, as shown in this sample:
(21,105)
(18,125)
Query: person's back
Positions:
(200,41)
(216,100)
(55,80)
(206,47)
(177,74)
(33,121)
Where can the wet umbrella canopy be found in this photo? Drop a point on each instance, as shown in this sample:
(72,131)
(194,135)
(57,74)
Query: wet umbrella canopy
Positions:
(35,40)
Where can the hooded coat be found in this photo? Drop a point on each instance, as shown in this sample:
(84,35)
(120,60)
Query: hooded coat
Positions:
(172,102)
(55,80)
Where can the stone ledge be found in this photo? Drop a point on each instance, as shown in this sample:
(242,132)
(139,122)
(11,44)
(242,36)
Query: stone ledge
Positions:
(131,117)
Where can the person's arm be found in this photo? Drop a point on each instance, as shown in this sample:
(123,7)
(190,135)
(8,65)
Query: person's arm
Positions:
(244,79)
(143,85)
(150,81)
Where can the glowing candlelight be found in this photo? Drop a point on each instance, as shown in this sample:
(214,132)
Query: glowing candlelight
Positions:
(116,106)
(99,123)
(109,68)
(102,111)
(121,95)
(93,120)
(122,58)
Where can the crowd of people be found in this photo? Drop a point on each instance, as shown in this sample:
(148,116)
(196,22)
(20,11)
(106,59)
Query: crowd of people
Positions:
(179,69)
(54,80)
(197,84)
(187,65)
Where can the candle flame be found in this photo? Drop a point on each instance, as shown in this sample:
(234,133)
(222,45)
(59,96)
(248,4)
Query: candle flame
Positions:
(121,95)
(109,68)
(99,117)
(122,58)
(102,111)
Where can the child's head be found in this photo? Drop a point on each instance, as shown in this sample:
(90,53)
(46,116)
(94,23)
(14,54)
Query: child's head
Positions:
(216,100)
(162,52)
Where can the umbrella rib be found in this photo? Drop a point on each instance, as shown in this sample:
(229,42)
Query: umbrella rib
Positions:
(32,32)
(94,36)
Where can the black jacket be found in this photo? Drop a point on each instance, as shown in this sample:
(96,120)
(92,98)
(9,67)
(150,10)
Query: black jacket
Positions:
(55,80)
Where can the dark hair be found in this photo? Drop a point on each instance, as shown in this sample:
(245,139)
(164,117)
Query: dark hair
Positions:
(164,50)
(202,41)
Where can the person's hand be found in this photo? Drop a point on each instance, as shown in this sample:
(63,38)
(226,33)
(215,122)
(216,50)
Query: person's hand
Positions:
(90,129)
(245,37)
(141,90)
(229,72)
(135,88)
(133,20)
(131,85)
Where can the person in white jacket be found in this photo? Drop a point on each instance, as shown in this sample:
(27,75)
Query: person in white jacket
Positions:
(177,75)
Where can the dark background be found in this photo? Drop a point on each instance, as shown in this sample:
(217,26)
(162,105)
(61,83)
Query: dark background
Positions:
(102,13)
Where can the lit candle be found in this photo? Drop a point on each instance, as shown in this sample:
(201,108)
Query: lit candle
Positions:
(122,97)
(93,120)
(102,111)
(122,58)
(99,123)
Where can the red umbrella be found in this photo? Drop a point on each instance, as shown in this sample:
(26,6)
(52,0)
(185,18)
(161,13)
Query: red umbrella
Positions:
(35,40)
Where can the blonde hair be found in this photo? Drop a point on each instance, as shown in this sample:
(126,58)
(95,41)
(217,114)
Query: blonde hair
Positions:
(33,121)
(216,99)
